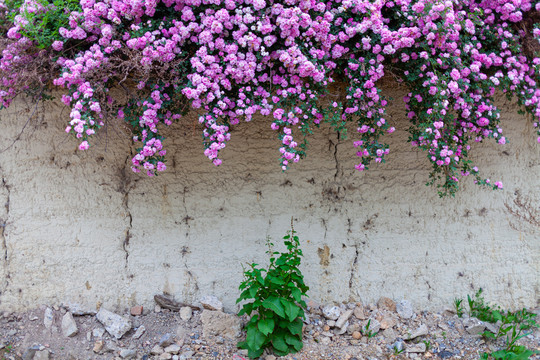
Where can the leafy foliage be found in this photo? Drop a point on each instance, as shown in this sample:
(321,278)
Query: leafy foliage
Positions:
(512,326)
(276,307)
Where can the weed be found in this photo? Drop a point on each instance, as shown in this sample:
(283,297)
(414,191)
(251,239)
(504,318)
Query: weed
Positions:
(277,307)
(458,305)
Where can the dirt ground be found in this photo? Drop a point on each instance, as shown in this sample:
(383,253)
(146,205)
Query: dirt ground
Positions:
(442,336)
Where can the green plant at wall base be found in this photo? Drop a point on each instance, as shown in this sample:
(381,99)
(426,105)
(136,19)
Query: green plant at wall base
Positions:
(458,305)
(512,326)
(277,308)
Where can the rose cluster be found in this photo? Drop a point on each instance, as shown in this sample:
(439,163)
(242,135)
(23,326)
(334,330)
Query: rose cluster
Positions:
(302,62)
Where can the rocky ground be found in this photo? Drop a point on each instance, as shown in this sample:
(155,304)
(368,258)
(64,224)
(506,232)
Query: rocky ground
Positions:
(396,331)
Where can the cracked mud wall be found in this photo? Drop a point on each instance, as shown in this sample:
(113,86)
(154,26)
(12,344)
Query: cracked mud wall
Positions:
(81,228)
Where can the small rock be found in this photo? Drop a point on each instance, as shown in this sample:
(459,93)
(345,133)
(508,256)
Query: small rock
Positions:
(359,313)
(330,323)
(69,327)
(157,309)
(343,318)
(374,326)
(173,349)
(416,348)
(30,353)
(331,312)
(186,313)
(12,332)
(474,326)
(398,345)
(326,341)
(156,350)
(115,324)
(270,357)
(421,331)
(342,330)
(165,356)
(188,354)
(136,310)
(494,328)
(388,322)
(89,336)
(140,331)
(404,309)
(98,346)
(41,355)
(98,332)
(357,335)
(48,318)
(128,353)
(389,334)
(166,340)
(217,323)
(386,304)
(79,310)
(211,302)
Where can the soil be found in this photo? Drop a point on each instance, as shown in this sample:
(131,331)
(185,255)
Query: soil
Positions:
(25,336)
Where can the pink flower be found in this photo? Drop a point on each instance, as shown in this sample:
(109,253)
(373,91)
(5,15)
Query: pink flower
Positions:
(84,145)
(57,45)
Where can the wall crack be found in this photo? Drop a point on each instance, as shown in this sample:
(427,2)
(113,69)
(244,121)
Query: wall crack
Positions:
(125,186)
(3,238)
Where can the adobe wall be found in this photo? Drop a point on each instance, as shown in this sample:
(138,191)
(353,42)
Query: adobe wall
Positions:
(80,227)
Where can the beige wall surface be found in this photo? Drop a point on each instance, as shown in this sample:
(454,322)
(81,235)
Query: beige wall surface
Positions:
(80,227)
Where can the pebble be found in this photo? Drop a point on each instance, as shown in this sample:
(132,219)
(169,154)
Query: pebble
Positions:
(357,335)
(115,324)
(173,349)
(343,318)
(136,310)
(359,312)
(98,346)
(421,331)
(331,312)
(48,318)
(385,303)
(140,331)
(166,340)
(211,302)
(405,309)
(98,332)
(185,313)
(156,350)
(69,327)
(128,353)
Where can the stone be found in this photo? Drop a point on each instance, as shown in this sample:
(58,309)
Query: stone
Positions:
(211,302)
(416,348)
(115,324)
(78,309)
(98,332)
(140,331)
(359,312)
(474,326)
(404,309)
(398,345)
(342,330)
(388,322)
(165,356)
(385,303)
(330,323)
(157,309)
(48,318)
(326,341)
(136,310)
(30,353)
(374,326)
(42,355)
(186,313)
(69,327)
(343,318)
(166,340)
(188,354)
(357,335)
(128,353)
(98,346)
(331,312)
(156,350)
(217,323)
(421,331)
(173,349)
(270,357)
(494,328)
(389,334)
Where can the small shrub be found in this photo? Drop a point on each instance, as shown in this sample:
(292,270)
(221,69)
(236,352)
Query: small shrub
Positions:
(276,308)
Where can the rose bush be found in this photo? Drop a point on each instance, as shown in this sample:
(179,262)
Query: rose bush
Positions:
(233,59)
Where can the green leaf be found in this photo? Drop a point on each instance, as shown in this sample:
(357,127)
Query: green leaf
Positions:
(291,309)
(294,341)
(295,327)
(278,342)
(275,305)
(277,281)
(296,294)
(254,338)
(266,326)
